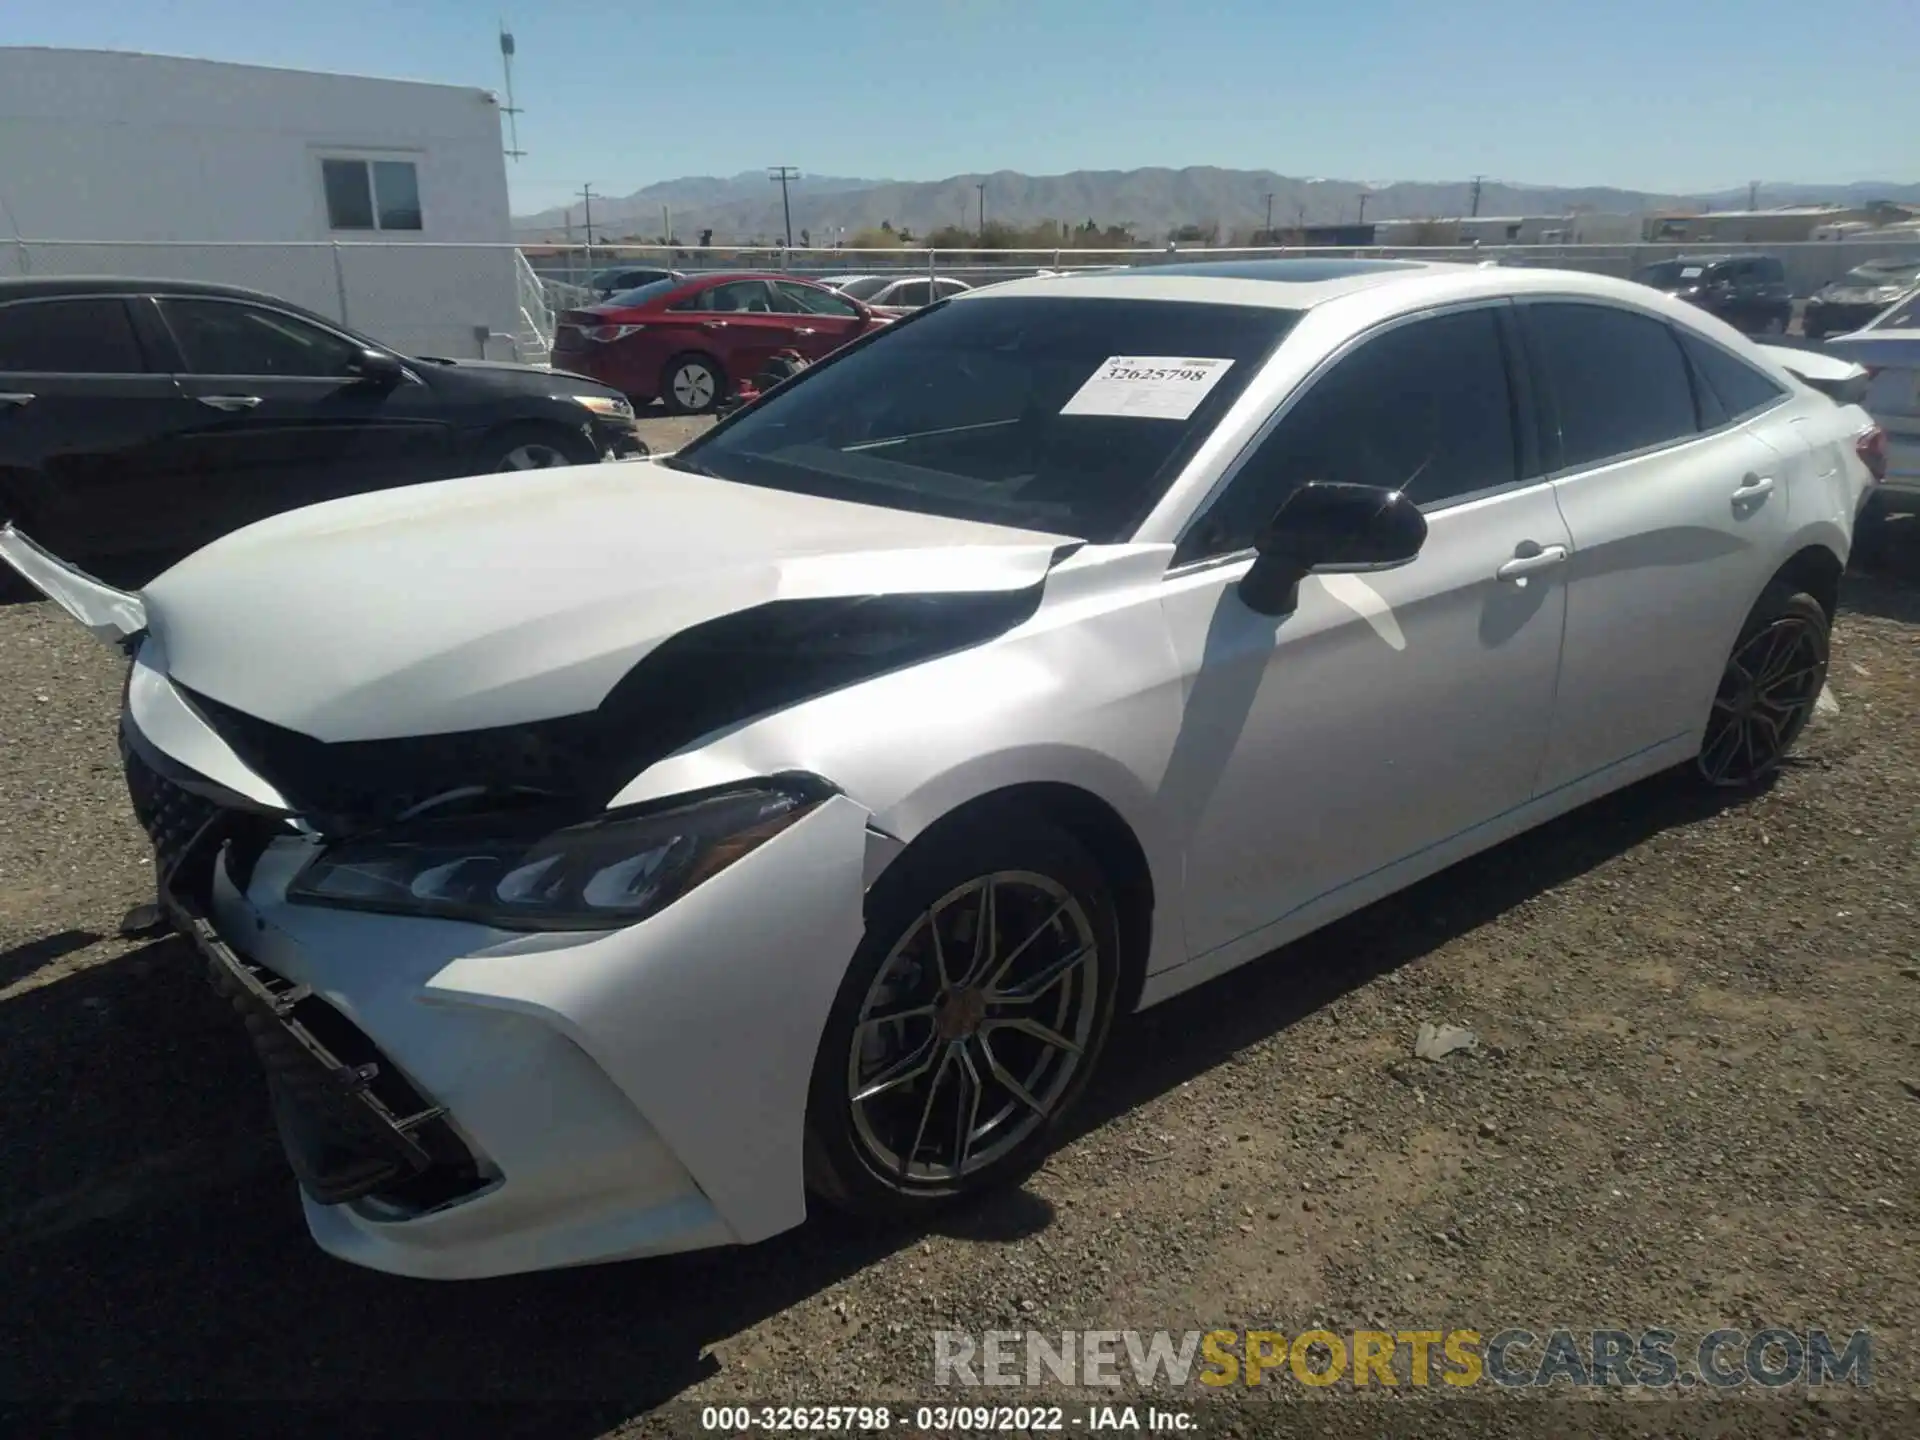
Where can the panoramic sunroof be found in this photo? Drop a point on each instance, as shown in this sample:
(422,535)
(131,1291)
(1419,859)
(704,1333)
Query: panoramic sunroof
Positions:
(1296,272)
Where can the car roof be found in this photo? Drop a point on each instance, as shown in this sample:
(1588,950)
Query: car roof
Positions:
(1290,284)
(46,286)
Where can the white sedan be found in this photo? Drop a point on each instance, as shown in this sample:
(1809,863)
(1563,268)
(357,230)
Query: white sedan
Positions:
(1888,347)
(608,860)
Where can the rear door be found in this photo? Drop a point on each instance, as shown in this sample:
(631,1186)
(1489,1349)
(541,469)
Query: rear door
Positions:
(823,321)
(85,467)
(1678,513)
(279,419)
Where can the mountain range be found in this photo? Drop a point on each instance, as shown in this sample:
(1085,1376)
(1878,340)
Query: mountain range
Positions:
(746,207)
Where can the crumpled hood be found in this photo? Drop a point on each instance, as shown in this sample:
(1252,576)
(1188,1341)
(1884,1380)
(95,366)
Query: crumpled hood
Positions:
(502,599)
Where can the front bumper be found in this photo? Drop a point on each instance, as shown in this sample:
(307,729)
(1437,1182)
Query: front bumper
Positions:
(462,1102)
(619,441)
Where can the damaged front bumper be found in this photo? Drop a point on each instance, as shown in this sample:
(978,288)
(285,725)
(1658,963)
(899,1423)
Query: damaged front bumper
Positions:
(459,1101)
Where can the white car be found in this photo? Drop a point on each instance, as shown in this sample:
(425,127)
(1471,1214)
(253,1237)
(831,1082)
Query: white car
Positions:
(896,294)
(1888,347)
(607,860)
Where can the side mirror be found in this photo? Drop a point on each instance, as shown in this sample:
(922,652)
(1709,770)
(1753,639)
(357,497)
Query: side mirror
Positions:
(376,367)
(1328,526)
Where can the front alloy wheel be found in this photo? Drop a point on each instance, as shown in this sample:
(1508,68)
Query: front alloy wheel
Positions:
(969,1022)
(1767,692)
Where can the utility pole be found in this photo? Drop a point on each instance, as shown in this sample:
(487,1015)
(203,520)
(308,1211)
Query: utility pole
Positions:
(781,174)
(1269,217)
(1753,195)
(982,188)
(1363,209)
(586,198)
(1475,209)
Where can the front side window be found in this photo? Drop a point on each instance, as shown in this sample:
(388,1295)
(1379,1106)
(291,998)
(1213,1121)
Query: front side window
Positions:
(222,337)
(371,194)
(806,300)
(1423,408)
(1009,411)
(69,337)
(1615,381)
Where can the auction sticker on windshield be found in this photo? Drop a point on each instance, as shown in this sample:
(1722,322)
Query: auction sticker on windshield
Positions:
(1160,387)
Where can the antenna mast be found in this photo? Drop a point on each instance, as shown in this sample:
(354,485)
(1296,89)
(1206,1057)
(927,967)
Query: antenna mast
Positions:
(510,110)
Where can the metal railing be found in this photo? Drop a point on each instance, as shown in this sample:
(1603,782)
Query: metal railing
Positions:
(481,300)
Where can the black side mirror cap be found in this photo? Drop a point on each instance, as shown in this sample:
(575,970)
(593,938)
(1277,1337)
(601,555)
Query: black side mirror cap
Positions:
(376,367)
(1330,526)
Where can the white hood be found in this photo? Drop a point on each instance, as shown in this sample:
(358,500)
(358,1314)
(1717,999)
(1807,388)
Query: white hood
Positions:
(501,599)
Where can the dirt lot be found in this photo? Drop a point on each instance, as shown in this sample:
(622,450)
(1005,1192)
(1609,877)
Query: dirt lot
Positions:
(1696,1102)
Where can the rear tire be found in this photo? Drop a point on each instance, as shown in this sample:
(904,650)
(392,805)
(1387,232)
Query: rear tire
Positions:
(1768,689)
(962,1086)
(692,384)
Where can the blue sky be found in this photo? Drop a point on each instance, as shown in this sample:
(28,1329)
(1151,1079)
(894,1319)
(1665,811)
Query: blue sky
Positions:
(1686,95)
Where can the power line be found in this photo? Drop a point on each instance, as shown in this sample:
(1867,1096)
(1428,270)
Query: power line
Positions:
(781,174)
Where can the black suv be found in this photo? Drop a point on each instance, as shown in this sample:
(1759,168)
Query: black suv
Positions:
(155,415)
(1749,292)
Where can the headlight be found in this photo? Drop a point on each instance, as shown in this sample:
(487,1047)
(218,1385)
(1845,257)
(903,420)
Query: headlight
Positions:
(614,405)
(517,874)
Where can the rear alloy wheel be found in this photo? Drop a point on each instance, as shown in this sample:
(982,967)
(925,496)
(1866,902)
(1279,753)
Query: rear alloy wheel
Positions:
(1767,692)
(692,385)
(969,1022)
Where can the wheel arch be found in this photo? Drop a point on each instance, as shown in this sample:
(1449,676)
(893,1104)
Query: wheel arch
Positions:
(1815,569)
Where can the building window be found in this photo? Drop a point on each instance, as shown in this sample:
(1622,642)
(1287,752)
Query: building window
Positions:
(371,194)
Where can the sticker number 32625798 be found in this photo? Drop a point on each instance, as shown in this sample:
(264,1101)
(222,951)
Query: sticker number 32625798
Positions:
(1159,387)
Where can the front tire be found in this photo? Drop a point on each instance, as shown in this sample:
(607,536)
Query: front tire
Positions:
(1767,691)
(536,447)
(969,1021)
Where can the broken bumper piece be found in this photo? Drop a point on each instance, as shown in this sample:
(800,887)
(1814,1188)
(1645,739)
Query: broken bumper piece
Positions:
(459,1101)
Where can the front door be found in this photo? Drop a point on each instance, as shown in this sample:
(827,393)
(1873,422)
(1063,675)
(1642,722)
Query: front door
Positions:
(280,420)
(823,321)
(1390,712)
(1678,510)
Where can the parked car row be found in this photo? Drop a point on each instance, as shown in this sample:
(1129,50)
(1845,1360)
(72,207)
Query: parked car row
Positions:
(150,415)
(1860,295)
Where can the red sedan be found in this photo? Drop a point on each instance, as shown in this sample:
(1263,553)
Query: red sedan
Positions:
(690,342)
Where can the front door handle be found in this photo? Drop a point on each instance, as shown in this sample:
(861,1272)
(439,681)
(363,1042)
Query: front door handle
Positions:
(713,325)
(1752,488)
(16,399)
(230,402)
(806,330)
(1539,558)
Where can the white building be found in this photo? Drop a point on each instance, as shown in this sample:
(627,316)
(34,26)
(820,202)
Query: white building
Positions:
(381,203)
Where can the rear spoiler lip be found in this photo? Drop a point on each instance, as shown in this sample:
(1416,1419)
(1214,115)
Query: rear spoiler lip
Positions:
(109,614)
(1842,381)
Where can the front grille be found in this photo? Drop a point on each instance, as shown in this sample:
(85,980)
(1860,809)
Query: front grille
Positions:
(170,815)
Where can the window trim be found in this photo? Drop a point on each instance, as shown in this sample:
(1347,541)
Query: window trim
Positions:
(1526,451)
(1550,432)
(1695,378)
(125,301)
(160,299)
(366,159)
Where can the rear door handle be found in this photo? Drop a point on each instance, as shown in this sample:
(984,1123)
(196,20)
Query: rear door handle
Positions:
(1754,487)
(16,399)
(713,325)
(806,330)
(1521,566)
(230,402)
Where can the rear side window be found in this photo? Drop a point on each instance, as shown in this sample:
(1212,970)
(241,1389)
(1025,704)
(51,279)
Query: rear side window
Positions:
(1423,408)
(1733,387)
(1615,382)
(69,337)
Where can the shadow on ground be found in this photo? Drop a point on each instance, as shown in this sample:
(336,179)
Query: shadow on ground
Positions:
(154,1249)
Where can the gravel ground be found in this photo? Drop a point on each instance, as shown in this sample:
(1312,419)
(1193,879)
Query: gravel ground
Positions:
(1695,1102)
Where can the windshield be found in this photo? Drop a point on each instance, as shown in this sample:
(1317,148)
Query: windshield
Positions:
(866,287)
(1672,272)
(1063,415)
(642,294)
(1872,276)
